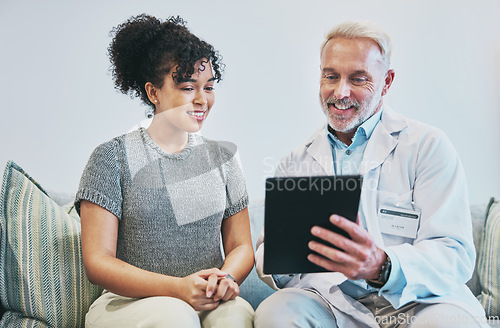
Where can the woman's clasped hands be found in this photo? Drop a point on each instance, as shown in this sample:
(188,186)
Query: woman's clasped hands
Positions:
(205,289)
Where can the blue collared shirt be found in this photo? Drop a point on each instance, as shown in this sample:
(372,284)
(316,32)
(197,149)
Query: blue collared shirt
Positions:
(347,159)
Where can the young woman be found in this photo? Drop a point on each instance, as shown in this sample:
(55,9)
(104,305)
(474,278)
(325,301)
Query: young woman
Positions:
(154,203)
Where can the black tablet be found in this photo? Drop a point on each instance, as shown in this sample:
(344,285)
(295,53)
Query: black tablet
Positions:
(293,205)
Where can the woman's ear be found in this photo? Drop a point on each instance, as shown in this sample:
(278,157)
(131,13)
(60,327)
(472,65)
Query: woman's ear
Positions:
(151,92)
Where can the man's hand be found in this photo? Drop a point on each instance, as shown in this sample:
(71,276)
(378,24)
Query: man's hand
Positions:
(360,258)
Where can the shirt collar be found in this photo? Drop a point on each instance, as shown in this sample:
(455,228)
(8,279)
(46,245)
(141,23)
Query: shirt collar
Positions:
(365,130)
(369,125)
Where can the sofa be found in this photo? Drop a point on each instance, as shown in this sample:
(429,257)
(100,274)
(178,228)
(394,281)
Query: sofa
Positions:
(43,283)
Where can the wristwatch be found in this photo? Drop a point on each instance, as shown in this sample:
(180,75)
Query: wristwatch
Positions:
(383,276)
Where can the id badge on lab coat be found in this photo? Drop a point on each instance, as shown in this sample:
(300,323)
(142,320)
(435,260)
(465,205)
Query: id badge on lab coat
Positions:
(398,221)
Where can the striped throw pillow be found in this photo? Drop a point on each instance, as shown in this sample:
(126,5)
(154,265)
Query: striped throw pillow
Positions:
(42,279)
(489,262)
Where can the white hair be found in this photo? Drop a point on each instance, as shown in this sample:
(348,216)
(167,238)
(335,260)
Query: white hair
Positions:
(362,29)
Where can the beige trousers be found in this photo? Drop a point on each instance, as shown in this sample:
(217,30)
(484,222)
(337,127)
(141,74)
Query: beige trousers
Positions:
(298,308)
(111,310)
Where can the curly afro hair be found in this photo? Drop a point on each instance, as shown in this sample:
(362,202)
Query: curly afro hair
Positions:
(144,49)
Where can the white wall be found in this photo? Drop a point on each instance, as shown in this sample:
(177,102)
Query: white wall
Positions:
(57,99)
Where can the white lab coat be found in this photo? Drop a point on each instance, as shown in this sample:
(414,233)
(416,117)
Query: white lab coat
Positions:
(410,165)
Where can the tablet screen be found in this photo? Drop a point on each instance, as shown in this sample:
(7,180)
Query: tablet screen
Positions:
(293,206)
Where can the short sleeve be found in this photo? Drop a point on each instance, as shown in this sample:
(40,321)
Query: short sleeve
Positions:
(100,181)
(236,192)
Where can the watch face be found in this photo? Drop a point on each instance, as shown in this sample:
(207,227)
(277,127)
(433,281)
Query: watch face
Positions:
(386,271)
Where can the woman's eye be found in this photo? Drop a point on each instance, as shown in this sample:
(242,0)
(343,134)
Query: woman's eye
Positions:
(187,89)
(209,88)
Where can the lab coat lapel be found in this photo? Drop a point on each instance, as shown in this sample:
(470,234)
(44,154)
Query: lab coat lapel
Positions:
(320,150)
(382,142)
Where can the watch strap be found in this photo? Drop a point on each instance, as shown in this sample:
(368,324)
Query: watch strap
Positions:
(384,274)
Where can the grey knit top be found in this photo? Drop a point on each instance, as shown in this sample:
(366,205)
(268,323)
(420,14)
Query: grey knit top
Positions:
(170,206)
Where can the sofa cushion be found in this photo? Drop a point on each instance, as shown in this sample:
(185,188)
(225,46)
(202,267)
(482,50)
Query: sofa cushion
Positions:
(478,214)
(42,279)
(489,263)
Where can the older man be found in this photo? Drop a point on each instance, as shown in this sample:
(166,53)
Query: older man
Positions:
(408,274)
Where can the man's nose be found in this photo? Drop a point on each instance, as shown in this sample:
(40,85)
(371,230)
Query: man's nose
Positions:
(342,89)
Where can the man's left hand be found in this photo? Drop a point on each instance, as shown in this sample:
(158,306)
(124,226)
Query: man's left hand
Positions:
(359,257)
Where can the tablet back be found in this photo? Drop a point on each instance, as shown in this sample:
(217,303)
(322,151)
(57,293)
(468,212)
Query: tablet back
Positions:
(293,206)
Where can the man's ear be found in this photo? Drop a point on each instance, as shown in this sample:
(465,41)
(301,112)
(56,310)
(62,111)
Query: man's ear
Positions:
(389,78)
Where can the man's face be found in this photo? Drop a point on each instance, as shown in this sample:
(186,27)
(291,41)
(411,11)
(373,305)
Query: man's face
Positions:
(353,80)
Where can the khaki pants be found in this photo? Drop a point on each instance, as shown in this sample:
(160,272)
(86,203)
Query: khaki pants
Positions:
(111,310)
(298,308)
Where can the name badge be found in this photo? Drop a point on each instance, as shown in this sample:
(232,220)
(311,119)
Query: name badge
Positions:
(399,222)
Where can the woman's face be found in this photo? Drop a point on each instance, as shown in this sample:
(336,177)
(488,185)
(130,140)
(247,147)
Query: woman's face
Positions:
(185,106)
